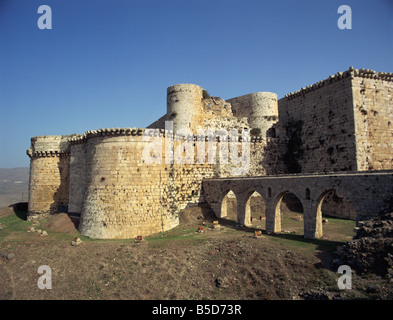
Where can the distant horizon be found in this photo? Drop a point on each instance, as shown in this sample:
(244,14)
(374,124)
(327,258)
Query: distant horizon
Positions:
(108,65)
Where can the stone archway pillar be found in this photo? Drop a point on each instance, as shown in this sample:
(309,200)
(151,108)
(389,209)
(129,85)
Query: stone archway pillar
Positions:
(273,218)
(243,212)
(312,223)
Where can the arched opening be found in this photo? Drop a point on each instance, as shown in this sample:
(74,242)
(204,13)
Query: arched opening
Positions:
(307,195)
(255,211)
(229,206)
(337,215)
(338,205)
(289,210)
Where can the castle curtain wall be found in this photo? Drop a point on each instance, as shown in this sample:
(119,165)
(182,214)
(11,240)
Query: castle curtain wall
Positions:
(373,109)
(322,114)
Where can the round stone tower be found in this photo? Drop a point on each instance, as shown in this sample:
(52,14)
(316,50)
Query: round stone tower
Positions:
(260,108)
(185,106)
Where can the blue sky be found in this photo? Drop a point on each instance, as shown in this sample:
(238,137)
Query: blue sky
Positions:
(108,63)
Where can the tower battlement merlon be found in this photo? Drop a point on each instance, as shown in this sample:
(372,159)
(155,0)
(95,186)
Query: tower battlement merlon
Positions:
(148,132)
(351,72)
(107,132)
(49,146)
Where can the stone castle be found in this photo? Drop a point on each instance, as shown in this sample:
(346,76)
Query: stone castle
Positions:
(341,124)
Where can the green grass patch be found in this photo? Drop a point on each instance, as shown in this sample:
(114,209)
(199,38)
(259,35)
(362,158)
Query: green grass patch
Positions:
(179,234)
(13,224)
(310,245)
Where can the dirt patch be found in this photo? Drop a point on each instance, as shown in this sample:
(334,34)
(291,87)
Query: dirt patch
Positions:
(7,211)
(195,215)
(61,222)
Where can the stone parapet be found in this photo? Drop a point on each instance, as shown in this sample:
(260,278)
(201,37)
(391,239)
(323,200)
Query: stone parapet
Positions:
(351,72)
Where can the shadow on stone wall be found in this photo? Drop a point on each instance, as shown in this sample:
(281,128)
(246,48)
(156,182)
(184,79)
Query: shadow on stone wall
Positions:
(61,196)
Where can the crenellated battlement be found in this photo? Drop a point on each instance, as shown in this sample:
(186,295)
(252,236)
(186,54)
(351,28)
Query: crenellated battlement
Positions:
(111,132)
(350,73)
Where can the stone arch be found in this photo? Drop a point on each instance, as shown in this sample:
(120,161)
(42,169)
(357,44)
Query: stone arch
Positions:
(337,204)
(224,202)
(277,208)
(318,213)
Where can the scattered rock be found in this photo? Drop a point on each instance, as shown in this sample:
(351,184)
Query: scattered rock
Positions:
(258,234)
(76,242)
(139,239)
(8,256)
(44,233)
(221,282)
(216,225)
(371,249)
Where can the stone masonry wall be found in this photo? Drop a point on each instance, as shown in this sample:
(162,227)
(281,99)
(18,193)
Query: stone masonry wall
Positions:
(373,109)
(77,185)
(49,174)
(123,186)
(322,116)
(260,108)
(49,179)
(124,197)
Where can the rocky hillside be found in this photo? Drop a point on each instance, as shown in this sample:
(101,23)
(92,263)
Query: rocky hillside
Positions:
(371,250)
